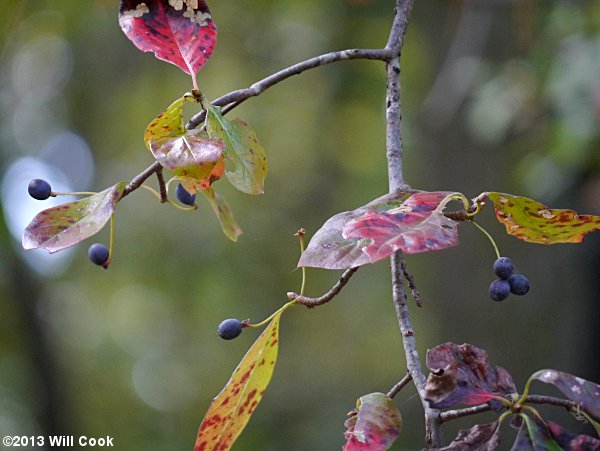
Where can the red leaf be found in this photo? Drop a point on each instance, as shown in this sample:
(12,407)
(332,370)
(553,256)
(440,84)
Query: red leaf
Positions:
(180,32)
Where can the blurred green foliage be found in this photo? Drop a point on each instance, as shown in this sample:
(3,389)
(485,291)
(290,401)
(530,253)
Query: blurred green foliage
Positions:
(132,352)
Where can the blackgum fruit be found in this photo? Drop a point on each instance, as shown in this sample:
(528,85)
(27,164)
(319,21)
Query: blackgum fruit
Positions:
(499,290)
(229,328)
(39,189)
(184,196)
(504,267)
(519,284)
(98,254)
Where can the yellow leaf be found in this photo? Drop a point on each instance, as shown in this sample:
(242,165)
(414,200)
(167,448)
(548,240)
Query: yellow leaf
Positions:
(231,410)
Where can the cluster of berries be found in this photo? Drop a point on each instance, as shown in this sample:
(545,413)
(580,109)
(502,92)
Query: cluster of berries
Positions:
(508,281)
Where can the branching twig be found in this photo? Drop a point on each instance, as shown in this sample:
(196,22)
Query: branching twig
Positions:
(450,415)
(314,302)
(411,284)
(399,386)
(237,97)
(139,179)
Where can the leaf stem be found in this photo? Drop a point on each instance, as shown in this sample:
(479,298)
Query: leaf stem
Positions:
(300,234)
(111,240)
(268,319)
(75,193)
(485,232)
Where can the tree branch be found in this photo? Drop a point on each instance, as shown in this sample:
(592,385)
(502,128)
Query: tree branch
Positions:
(314,302)
(237,97)
(394,152)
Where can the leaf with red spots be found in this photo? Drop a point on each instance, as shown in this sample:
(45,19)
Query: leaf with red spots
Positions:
(190,155)
(229,225)
(531,221)
(374,425)
(461,374)
(180,32)
(481,437)
(63,226)
(230,411)
(570,441)
(583,392)
(242,148)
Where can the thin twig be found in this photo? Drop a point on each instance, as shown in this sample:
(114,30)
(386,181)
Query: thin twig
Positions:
(399,386)
(137,181)
(161,185)
(314,302)
(411,284)
(237,97)
(450,415)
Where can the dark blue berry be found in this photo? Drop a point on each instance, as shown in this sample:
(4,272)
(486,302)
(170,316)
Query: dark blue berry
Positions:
(39,189)
(499,290)
(519,284)
(230,328)
(184,196)
(504,268)
(98,254)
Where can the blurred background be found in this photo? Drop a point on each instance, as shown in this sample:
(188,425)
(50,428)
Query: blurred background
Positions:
(497,95)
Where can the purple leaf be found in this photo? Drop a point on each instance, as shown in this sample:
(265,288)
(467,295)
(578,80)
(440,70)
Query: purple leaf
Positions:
(481,437)
(461,374)
(585,393)
(570,441)
(63,226)
(535,435)
(180,32)
(375,426)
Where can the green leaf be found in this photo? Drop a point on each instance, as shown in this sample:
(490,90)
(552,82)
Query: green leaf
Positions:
(169,123)
(231,410)
(531,221)
(583,392)
(229,225)
(242,147)
(63,226)
(375,426)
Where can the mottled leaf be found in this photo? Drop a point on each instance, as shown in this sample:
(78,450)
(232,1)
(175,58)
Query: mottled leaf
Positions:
(197,160)
(583,392)
(531,221)
(169,123)
(59,227)
(330,250)
(574,442)
(230,411)
(230,227)
(242,148)
(374,426)
(461,374)
(481,437)
(418,225)
(180,32)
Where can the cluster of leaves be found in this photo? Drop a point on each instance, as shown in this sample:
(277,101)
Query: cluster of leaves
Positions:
(182,33)
(461,375)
